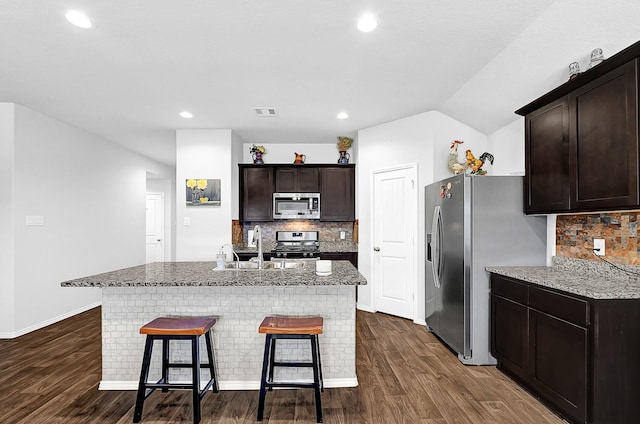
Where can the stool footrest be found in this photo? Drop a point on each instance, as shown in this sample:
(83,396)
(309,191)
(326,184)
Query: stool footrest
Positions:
(292,384)
(293,364)
(181,365)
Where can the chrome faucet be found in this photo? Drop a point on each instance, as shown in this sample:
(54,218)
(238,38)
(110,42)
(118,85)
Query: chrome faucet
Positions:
(257,238)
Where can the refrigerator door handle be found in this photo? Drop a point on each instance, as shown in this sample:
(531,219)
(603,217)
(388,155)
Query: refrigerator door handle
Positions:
(436,241)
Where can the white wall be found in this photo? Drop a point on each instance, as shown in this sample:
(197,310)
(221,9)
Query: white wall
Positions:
(423,139)
(203,154)
(237,148)
(90,193)
(6,219)
(285,153)
(507,145)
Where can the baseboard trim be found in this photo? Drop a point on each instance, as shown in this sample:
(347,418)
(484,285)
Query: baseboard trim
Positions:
(365,308)
(329,383)
(48,322)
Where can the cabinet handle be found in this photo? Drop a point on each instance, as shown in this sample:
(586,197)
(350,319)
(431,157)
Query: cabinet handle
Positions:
(376,249)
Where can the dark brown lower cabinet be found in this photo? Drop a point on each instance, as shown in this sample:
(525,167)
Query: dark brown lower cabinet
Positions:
(341,256)
(580,356)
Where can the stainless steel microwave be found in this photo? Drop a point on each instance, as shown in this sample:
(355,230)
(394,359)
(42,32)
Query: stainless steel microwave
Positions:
(296,205)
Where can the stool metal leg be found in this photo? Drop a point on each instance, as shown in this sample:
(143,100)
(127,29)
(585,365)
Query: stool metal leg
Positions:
(165,362)
(144,374)
(212,366)
(272,359)
(316,338)
(195,367)
(316,377)
(263,380)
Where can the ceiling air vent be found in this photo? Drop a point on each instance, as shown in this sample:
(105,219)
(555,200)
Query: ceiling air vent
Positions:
(266,112)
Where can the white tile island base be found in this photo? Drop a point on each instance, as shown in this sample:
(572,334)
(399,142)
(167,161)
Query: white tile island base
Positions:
(237,344)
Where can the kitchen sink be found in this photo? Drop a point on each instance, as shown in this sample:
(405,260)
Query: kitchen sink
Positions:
(267,265)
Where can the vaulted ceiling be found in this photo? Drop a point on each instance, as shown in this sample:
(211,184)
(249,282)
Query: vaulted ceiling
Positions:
(147,60)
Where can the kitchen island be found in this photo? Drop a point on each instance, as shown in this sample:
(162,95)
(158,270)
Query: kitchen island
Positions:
(240,299)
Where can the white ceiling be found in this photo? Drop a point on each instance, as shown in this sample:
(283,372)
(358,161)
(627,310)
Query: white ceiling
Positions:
(147,60)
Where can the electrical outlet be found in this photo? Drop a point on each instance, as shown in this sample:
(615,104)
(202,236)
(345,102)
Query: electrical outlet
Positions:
(342,235)
(598,247)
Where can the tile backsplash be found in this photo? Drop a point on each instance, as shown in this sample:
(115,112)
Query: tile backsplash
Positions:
(327,231)
(575,234)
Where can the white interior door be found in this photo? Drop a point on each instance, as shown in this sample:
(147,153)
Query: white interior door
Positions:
(394,241)
(155,227)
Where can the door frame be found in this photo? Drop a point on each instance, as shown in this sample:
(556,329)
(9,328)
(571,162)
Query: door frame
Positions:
(162,221)
(413,208)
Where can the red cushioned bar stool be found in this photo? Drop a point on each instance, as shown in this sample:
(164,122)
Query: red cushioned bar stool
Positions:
(167,329)
(277,328)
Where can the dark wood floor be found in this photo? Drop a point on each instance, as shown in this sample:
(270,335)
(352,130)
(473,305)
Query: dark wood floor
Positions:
(405,375)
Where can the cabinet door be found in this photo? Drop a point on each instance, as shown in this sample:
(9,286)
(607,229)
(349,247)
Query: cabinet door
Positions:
(297,180)
(337,193)
(509,341)
(308,179)
(256,188)
(547,159)
(604,141)
(285,180)
(559,359)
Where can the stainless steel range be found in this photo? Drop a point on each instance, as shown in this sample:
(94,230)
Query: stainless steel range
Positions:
(296,245)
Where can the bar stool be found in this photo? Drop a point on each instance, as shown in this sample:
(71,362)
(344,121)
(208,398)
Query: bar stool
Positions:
(167,329)
(291,328)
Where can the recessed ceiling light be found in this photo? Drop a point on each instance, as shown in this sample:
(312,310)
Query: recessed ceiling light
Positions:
(79,19)
(367,23)
(186,115)
(342,115)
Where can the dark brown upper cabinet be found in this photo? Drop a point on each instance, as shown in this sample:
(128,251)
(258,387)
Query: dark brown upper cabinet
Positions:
(337,193)
(335,183)
(256,193)
(547,158)
(297,179)
(581,141)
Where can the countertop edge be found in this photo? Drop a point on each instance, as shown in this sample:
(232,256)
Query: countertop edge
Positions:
(574,282)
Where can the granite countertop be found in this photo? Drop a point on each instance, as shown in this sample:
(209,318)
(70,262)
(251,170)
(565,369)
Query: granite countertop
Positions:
(203,274)
(592,279)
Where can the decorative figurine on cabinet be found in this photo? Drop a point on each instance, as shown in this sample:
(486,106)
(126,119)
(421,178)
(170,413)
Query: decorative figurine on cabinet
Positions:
(454,165)
(471,163)
(476,164)
(300,158)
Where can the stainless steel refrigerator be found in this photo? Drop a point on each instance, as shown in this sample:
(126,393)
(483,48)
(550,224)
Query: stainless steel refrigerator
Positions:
(473,222)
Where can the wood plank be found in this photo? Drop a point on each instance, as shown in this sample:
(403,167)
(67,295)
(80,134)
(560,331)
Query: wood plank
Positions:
(405,376)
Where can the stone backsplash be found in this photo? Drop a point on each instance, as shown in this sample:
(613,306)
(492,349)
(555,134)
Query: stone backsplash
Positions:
(327,231)
(575,234)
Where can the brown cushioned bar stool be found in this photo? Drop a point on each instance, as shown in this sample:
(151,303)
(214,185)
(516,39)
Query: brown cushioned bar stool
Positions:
(291,328)
(167,329)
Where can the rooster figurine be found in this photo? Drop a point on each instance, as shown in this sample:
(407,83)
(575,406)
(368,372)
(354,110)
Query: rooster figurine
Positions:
(476,164)
(454,166)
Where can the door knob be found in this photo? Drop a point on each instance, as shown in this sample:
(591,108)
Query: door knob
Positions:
(376,249)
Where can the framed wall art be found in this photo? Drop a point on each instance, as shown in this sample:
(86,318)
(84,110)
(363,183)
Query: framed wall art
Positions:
(203,192)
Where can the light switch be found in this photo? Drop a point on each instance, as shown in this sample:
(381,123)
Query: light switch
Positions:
(342,235)
(187,221)
(34,220)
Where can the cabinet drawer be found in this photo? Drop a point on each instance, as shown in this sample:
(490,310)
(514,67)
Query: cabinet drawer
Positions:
(509,289)
(559,305)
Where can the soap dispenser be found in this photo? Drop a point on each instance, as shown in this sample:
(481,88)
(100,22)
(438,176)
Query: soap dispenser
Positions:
(220,259)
